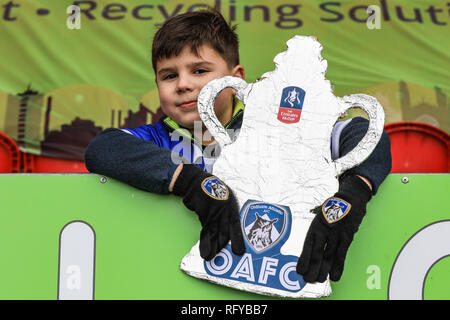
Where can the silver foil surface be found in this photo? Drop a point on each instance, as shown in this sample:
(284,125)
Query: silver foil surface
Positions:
(282,163)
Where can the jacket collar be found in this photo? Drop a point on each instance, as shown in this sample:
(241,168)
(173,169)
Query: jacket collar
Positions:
(171,125)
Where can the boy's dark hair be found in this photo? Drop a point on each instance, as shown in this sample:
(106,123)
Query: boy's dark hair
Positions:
(195,29)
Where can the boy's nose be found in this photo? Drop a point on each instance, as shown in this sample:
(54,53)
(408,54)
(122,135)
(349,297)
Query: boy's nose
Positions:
(184,84)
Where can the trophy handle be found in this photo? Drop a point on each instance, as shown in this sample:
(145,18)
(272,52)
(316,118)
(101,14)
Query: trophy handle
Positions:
(205,104)
(368,143)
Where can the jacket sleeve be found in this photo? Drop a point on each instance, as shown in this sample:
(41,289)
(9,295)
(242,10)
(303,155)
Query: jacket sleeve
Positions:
(378,165)
(137,162)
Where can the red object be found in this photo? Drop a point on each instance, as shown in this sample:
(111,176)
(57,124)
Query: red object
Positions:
(41,164)
(418,147)
(9,155)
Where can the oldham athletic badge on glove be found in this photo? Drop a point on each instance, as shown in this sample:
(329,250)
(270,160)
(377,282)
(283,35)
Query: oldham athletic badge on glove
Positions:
(216,207)
(332,231)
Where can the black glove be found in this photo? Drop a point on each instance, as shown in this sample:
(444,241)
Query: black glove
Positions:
(217,209)
(332,231)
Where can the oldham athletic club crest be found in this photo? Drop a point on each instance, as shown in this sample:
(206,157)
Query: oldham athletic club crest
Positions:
(264,224)
(266,227)
(334,209)
(291,104)
(215,188)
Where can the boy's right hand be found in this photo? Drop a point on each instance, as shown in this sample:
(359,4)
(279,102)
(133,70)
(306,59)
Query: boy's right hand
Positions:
(217,209)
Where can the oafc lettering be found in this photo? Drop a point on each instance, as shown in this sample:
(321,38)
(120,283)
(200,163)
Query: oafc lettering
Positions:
(245,269)
(263,264)
(247,309)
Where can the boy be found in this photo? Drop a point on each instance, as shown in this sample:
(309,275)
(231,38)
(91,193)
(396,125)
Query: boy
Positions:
(188,51)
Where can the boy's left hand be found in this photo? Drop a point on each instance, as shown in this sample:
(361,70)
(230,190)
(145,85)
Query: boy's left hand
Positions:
(218,211)
(332,231)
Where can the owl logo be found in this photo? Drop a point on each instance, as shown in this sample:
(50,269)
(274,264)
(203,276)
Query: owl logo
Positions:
(264,225)
(334,209)
(215,188)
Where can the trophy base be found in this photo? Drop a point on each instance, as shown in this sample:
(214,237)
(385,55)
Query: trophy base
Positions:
(262,269)
(309,290)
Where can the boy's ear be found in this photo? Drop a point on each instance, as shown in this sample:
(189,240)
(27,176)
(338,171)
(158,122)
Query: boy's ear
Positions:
(238,71)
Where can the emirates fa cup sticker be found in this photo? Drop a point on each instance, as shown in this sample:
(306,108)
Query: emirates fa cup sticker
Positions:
(291,105)
(280,167)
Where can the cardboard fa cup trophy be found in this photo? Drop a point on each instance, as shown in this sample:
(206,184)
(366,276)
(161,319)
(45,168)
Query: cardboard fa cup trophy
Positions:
(280,167)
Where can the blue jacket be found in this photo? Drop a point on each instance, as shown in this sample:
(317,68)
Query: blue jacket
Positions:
(166,133)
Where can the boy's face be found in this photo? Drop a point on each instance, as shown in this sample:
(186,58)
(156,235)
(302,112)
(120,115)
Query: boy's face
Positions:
(180,79)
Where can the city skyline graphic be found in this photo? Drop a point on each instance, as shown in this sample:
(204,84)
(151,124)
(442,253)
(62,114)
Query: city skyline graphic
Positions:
(28,120)
(43,124)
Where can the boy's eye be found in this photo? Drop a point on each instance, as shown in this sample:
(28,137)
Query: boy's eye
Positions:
(169,76)
(199,71)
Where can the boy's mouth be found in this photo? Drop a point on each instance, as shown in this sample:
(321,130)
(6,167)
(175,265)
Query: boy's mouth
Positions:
(188,104)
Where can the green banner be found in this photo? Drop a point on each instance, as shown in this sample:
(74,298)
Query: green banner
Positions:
(129,243)
(70,71)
